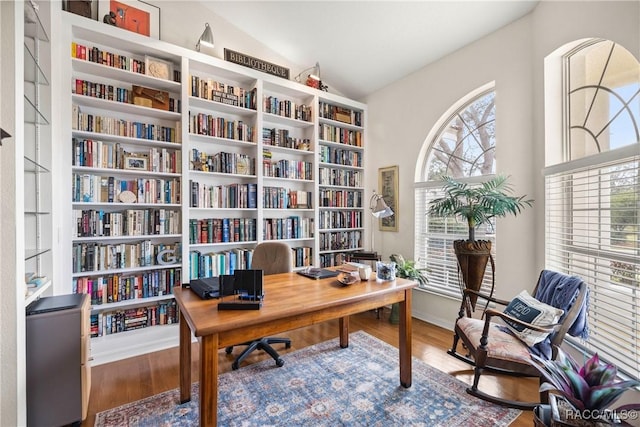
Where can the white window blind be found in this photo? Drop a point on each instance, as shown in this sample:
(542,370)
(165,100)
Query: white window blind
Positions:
(593,231)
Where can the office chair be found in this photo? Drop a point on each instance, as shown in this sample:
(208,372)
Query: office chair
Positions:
(272,258)
(558,306)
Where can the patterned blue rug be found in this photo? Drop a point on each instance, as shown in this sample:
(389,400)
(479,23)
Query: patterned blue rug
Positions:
(324,385)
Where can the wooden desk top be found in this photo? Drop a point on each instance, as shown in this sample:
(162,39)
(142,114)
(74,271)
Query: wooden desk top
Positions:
(287,295)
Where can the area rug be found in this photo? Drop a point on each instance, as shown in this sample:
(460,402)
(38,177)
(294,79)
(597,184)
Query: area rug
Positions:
(324,385)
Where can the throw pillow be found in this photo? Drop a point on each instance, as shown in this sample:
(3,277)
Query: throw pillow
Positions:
(526,308)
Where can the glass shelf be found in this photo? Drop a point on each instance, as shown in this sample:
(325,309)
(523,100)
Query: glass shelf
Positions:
(33,167)
(32,114)
(34,293)
(32,71)
(33,27)
(32,253)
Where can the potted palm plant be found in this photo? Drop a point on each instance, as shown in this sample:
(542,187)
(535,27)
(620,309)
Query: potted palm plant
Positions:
(476,205)
(583,395)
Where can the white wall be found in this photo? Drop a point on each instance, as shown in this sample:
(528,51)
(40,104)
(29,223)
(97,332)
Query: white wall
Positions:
(182,23)
(401,115)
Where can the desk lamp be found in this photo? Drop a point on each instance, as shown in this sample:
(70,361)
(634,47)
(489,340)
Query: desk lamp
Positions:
(379,209)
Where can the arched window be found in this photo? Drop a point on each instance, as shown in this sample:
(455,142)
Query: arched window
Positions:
(461,145)
(593,192)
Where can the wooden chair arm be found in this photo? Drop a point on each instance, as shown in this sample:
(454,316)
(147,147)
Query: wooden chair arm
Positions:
(540,328)
(467,292)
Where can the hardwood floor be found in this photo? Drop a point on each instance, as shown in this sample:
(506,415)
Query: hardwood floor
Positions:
(124,381)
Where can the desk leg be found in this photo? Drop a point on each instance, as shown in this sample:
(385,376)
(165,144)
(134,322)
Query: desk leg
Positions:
(404,343)
(344,331)
(185,360)
(209,380)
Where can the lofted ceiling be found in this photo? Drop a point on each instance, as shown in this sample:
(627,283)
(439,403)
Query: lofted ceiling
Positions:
(363,46)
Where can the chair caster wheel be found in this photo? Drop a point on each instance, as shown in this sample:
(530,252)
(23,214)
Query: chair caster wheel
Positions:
(287,345)
(234,366)
(279,363)
(228,350)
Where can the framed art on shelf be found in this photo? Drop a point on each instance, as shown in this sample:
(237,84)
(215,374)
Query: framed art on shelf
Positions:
(136,163)
(132,15)
(158,68)
(80,7)
(388,188)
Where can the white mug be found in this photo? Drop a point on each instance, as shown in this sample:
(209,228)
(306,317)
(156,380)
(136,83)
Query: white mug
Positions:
(364,272)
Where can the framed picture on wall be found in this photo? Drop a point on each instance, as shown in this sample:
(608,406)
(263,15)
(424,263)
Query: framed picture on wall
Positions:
(388,188)
(132,15)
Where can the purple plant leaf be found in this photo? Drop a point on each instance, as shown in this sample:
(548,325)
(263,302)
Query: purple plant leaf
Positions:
(602,396)
(566,360)
(578,385)
(552,374)
(587,387)
(567,395)
(596,373)
(590,364)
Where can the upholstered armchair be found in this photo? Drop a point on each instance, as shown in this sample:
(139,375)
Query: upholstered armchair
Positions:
(501,340)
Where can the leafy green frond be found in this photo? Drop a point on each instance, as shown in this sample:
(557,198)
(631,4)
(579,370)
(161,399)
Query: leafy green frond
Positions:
(477,205)
(407,269)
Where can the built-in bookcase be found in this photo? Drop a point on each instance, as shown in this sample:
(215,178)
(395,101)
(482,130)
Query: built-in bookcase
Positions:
(223,180)
(340,181)
(171,179)
(126,179)
(289,170)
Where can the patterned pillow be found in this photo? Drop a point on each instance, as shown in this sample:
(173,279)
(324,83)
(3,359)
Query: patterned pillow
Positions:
(526,308)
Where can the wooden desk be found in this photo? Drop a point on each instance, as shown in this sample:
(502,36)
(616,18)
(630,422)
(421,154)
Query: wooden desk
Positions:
(291,301)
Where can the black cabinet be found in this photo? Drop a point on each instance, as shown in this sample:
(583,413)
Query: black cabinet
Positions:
(58,376)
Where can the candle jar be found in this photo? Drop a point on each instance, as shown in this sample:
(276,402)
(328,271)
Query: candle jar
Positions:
(386,270)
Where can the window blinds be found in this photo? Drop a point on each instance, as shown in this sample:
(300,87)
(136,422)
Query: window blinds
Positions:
(593,231)
(434,244)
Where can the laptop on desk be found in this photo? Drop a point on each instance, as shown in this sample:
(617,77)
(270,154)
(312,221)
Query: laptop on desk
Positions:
(317,273)
(206,288)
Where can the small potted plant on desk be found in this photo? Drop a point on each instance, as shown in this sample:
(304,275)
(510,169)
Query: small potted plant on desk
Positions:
(582,395)
(407,270)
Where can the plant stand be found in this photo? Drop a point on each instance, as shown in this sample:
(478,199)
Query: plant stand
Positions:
(542,416)
(394,317)
(563,414)
(473,256)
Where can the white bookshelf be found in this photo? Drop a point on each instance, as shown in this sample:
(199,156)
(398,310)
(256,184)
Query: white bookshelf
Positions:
(341,141)
(301,148)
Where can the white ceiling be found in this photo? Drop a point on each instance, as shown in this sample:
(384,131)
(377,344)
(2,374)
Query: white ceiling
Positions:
(362,46)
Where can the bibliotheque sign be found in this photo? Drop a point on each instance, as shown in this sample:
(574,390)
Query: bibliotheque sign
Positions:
(256,64)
